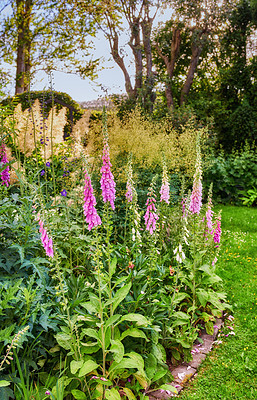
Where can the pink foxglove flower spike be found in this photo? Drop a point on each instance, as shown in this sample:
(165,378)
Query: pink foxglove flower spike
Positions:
(5,175)
(165,190)
(151,216)
(107,180)
(46,241)
(92,218)
(196,195)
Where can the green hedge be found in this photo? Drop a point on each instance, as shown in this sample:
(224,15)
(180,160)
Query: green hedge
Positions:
(47,98)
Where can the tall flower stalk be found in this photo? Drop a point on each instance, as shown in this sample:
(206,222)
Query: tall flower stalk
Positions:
(46,241)
(196,195)
(108,194)
(151,216)
(132,206)
(195,207)
(5,174)
(107,179)
(92,218)
(165,189)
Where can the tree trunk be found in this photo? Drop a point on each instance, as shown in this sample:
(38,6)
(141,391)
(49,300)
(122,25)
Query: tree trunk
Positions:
(23,64)
(170,63)
(136,48)
(149,96)
(114,43)
(196,52)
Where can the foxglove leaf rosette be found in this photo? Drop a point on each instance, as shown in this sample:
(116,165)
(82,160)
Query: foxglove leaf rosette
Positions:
(107,180)
(92,218)
(196,195)
(5,175)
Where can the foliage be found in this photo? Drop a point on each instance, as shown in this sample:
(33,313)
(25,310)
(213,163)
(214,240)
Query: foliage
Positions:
(232,174)
(232,362)
(111,300)
(47,99)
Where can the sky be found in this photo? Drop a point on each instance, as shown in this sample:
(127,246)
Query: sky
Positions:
(110,78)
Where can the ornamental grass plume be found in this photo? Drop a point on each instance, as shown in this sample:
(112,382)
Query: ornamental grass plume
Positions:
(107,180)
(196,195)
(165,190)
(46,241)
(151,216)
(92,218)
(5,174)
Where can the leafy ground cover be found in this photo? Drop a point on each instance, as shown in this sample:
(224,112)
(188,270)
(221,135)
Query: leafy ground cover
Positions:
(229,372)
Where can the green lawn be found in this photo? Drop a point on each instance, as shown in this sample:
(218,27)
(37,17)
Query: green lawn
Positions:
(230,371)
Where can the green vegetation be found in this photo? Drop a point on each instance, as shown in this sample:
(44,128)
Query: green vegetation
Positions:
(229,372)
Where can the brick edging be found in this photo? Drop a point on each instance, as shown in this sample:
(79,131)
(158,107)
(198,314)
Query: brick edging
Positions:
(185,371)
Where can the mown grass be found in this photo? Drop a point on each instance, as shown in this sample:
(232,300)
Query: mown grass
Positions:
(230,370)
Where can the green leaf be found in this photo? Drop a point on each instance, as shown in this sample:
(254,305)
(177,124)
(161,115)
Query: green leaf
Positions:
(159,352)
(4,383)
(150,366)
(75,366)
(170,388)
(78,395)
(64,340)
(138,318)
(142,379)
(134,332)
(130,395)
(87,367)
(113,265)
(112,320)
(120,295)
(89,332)
(112,394)
(118,349)
(209,328)
(160,374)
(138,359)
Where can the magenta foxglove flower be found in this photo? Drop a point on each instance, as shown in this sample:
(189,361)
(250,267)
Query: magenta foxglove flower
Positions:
(165,189)
(196,195)
(217,233)
(46,241)
(209,214)
(92,218)
(5,175)
(107,180)
(151,216)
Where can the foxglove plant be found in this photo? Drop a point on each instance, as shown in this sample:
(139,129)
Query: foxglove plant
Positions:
(196,195)
(131,196)
(165,190)
(217,232)
(107,180)
(151,216)
(46,241)
(92,218)
(5,174)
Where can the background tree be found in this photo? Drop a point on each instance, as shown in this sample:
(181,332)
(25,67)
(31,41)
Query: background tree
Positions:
(139,16)
(47,34)
(184,41)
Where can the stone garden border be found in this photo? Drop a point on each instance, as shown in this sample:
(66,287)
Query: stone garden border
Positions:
(185,371)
